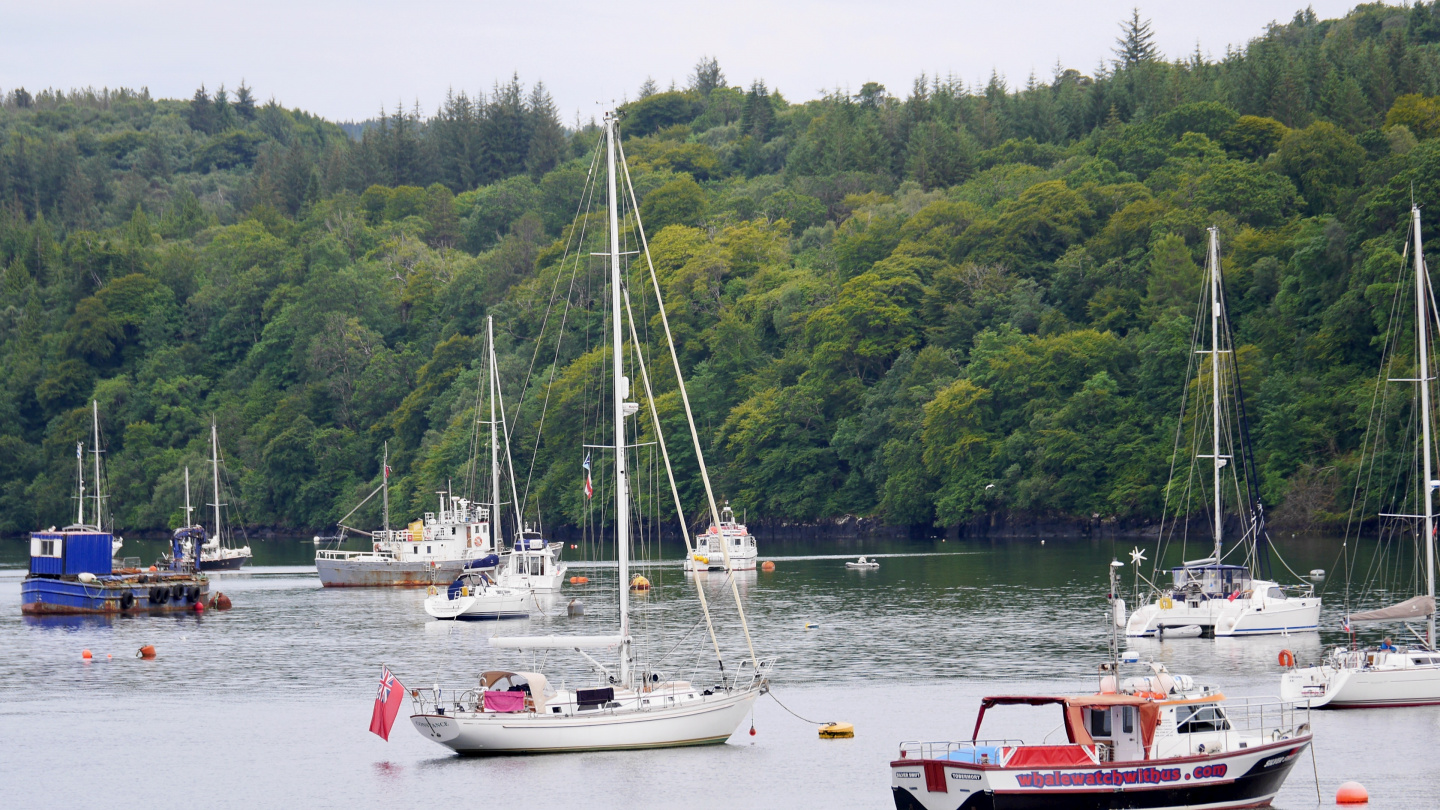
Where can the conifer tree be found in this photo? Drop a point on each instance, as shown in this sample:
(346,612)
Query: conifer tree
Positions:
(547,139)
(201,114)
(707,76)
(244,102)
(1136,42)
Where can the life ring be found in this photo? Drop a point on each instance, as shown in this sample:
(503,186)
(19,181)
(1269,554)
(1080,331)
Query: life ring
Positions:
(1166,603)
(432,590)
(127,600)
(1287,658)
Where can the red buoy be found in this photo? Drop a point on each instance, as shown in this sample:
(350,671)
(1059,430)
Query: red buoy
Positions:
(222,602)
(86,655)
(768,565)
(147,652)
(199,606)
(1352,793)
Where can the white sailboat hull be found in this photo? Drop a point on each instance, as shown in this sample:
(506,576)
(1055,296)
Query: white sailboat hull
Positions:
(1328,687)
(489,606)
(711,720)
(1248,616)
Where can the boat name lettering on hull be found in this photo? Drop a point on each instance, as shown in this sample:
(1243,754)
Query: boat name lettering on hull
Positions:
(1137,776)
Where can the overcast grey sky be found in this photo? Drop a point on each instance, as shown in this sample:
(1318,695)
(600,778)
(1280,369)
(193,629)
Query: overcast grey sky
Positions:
(345,59)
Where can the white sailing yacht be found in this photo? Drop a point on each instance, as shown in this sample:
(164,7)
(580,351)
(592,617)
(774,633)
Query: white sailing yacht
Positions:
(630,705)
(1408,675)
(217,554)
(1220,598)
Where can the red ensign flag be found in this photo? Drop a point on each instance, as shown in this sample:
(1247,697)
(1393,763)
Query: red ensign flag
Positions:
(387,704)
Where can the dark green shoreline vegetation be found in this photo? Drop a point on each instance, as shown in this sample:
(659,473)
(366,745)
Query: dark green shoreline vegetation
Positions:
(927,308)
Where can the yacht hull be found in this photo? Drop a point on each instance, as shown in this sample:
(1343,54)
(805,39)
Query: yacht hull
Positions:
(224,564)
(1224,618)
(341,573)
(1246,778)
(487,607)
(489,733)
(1331,688)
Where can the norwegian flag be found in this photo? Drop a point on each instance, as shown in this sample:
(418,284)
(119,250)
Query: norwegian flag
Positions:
(589,487)
(387,704)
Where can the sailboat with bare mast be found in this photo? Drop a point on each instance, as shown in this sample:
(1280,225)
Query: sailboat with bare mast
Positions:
(631,705)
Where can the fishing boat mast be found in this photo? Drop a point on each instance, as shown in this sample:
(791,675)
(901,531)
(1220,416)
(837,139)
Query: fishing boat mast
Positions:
(80,470)
(622,483)
(1422,349)
(385,487)
(95,421)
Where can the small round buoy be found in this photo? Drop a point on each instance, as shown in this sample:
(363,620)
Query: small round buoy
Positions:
(574,580)
(1352,793)
(575,608)
(836,731)
(199,607)
(639,583)
(572,545)
(768,565)
(222,602)
(86,655)
(107,655)
(752,731)
(584,580)
(152,569)
(147,652)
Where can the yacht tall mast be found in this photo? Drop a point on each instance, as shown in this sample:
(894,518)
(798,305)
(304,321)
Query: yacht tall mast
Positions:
(189,518)
(215,476)
(1215,381)
(95,420)
(1422,349)
(495,533)
(622,484)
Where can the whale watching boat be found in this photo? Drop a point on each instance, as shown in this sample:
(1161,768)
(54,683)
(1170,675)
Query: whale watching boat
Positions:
(631,704)
(1220,598)
(72,569)
(432,549)
(740,550)
(1153,741)
(1408,675)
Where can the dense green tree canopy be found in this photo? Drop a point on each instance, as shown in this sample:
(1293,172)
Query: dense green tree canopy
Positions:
(927,307)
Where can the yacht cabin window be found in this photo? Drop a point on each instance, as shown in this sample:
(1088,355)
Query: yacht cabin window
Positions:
(1098,722)
(1201,718)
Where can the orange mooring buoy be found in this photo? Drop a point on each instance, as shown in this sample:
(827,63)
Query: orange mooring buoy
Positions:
(1352,793)
(146,652)
(86,655)
(768,565)
(222,602)
(639,583)
(583,580)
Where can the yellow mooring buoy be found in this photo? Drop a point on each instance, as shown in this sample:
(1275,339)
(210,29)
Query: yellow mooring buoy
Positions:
(836,731)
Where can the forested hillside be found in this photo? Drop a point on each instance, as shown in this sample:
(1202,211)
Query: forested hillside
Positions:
(928,306)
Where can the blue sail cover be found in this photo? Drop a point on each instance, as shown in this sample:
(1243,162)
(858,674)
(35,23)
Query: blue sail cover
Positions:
(488,561)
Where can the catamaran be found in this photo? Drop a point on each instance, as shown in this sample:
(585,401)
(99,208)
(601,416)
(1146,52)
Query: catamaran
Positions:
(1407,675)
(1220,598)
(631,705)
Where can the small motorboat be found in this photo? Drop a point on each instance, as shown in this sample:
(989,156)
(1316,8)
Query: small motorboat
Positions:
(863,564)
(474,596)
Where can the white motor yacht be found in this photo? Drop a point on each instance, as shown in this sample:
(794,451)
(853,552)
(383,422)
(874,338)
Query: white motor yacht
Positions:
(740,551)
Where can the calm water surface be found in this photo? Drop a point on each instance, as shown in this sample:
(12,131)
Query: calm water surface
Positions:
(268,704)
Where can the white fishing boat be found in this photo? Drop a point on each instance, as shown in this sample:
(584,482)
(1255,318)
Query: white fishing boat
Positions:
(474,596)
(1219,597)
(1387,675)
(1152,741)
(862,563)
(430,550)
(631,705)
(739,554)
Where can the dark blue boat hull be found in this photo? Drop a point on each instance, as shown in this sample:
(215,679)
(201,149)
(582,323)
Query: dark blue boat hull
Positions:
(54,595)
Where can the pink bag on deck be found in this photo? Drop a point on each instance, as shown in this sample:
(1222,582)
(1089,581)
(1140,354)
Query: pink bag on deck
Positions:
(504,701)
